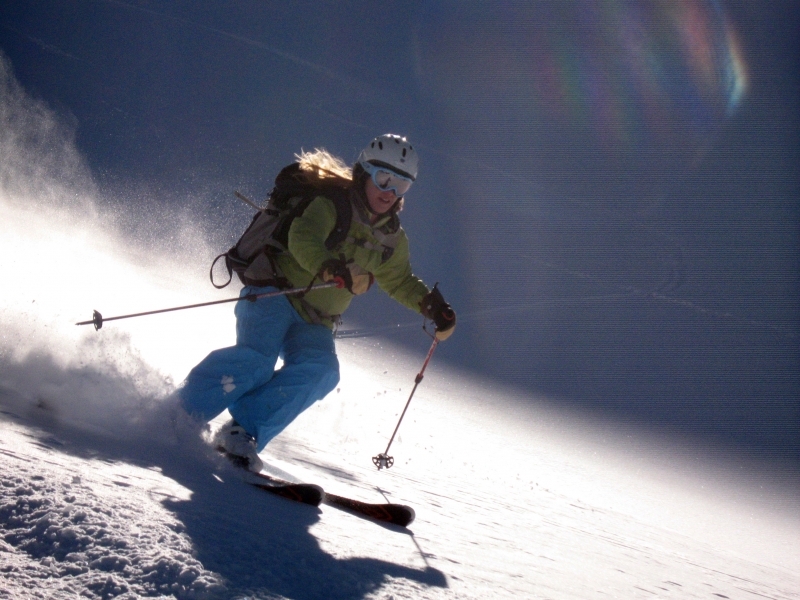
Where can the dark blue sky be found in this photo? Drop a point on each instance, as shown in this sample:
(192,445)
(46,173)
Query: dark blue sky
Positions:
(608,191)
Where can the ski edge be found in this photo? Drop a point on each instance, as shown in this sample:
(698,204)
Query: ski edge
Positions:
(305,493)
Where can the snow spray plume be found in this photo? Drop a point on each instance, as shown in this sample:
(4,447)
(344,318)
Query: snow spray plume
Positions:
(75,249)
(39,162)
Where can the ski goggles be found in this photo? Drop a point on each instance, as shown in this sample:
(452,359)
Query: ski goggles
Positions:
(387,180)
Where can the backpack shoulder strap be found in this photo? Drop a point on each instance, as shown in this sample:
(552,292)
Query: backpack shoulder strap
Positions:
(344,216)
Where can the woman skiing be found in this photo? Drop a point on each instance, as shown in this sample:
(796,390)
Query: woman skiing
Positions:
(300,328)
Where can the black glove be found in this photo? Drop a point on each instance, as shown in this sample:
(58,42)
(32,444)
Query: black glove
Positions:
(335,269)
(434,307)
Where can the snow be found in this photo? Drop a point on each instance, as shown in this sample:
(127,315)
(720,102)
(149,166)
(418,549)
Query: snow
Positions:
(91,526)
(103,497)
(123,505)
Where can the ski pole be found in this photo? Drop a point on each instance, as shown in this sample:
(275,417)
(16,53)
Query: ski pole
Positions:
(98,319)
(383,460)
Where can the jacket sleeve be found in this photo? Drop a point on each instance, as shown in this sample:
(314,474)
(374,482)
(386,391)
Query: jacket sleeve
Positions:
(396,279)
(308,233)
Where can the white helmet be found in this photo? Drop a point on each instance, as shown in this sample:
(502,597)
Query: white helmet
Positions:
(392,151)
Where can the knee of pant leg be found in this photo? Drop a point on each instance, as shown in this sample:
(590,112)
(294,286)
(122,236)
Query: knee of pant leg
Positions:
(327,373)
(321,371)
(223,377)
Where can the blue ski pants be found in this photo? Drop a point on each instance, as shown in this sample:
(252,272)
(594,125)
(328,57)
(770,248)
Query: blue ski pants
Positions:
(243,379)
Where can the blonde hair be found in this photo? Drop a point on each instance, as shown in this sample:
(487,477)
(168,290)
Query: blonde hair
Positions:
(322,167)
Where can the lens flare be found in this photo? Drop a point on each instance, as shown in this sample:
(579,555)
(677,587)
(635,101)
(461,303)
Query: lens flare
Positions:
(618,74)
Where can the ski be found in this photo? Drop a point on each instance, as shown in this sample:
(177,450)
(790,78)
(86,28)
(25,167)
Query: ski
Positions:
(395,514)
(305,493)
(314,495)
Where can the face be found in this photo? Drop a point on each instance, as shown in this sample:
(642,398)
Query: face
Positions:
(379,201)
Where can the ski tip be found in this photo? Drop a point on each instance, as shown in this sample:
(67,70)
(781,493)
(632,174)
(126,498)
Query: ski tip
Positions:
(401,514)
(393,514)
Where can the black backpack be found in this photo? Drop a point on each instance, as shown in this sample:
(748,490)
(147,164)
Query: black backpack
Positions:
(252,258)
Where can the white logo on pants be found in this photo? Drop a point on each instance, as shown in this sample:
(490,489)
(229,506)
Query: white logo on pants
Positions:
(227,384)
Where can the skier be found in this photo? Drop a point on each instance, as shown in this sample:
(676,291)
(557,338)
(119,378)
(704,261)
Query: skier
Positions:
(300,329)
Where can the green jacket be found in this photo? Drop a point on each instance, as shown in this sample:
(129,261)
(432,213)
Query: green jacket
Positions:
(380,249)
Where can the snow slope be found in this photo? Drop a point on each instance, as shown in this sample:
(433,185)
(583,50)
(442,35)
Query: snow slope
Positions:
(129,512)
(102,497)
